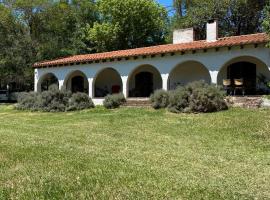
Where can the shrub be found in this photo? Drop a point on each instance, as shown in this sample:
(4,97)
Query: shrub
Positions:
(160,99)
(80,101)
(13,97)
(197,97)
(114,101)
(53,100)
(178,101)
(27,101)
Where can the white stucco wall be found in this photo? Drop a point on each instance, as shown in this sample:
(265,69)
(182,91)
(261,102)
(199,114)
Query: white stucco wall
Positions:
(213,60)
(183,36)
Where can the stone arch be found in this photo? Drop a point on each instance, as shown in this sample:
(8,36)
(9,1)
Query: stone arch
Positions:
(76,81)
(248,68)
(107,81)
(187,72)
(143,81)
(46,81)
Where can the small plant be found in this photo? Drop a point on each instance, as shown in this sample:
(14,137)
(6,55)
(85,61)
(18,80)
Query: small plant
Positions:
(80,101)
(197,97)
(160,99)
(114,101)
(178,101)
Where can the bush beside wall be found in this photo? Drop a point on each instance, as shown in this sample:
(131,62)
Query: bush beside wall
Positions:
(114,101)
(194,97)
(80,101)
(160,99)
(53,100)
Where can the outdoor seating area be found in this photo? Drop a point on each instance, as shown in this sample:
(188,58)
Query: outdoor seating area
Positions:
(234,87)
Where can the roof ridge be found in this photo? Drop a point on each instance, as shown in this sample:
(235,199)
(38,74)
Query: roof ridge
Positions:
(245,35)
(159,49)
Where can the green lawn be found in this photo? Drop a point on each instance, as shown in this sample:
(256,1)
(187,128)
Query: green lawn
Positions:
(134,153)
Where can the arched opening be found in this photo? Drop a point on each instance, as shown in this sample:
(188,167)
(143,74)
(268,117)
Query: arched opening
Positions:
(108,81)
(143,81)
(77,82)
(188,72)
(249,70)
(46,81)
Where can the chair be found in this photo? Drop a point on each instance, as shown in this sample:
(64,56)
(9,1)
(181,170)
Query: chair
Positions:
(239,85)
(227,86)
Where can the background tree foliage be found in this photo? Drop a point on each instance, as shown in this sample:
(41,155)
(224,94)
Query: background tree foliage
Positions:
(15,51)
(38,30)
(128,24)
(236,17)
(266,22)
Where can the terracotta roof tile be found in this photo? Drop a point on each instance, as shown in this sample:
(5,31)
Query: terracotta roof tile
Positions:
(153,50)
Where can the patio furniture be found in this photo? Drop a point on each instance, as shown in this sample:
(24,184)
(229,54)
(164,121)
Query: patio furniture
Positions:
(227,86)
(239,85)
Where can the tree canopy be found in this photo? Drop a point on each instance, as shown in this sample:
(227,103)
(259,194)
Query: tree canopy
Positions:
(236,17)
(266,22)
(128,24)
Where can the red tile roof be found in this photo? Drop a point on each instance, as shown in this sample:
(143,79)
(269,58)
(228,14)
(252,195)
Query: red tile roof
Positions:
(154,50)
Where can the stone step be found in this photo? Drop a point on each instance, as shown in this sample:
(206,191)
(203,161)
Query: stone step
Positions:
(137,103)
(245,102)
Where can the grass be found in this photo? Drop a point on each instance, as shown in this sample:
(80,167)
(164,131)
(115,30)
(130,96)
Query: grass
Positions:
(134,153)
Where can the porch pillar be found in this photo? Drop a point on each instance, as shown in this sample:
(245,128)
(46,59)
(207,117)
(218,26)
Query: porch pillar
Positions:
(36,81)
(213,75)
(90,87)
(61,84)
(165,81)
(125,86)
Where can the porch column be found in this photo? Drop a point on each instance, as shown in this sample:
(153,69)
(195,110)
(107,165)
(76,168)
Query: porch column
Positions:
(90,87)
(36,81)
(61,84)
(125,86)
(213,75)
(165,81)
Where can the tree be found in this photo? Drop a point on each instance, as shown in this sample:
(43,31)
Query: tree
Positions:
(34,30)
(266,22)
(15,54)
(128,24)
(181,6)
(62,29)
(236,17)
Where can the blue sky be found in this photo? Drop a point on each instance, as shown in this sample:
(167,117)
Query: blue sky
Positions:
(165,2)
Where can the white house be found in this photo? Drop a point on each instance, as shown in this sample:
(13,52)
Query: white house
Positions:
(138,72)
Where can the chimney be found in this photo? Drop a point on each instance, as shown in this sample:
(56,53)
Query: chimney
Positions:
(212,30)
(183,36)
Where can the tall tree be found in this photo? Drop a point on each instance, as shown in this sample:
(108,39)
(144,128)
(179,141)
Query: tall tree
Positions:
(41,29)
(128,24)
(236,17)
(266,22)
(181,6)
(15,53)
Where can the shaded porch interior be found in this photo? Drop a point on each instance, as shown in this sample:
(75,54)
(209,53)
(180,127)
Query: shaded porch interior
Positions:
(243,76)
(77,82)
(108,81)
(144,81)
